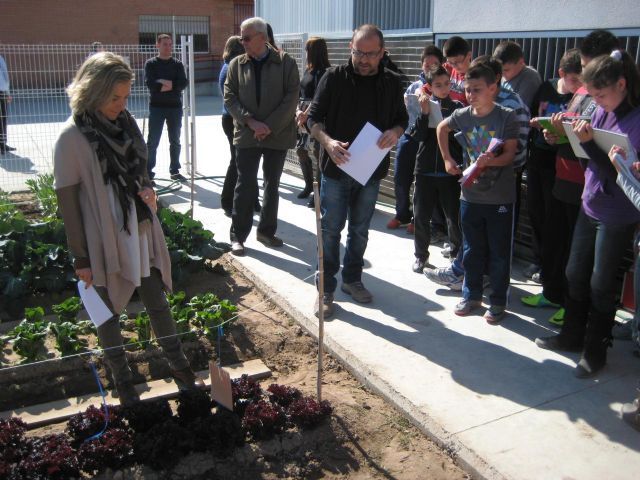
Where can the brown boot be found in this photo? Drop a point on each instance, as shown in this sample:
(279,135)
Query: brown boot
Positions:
(187,380)
(127,394)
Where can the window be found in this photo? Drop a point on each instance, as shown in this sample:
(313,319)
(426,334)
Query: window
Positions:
(150,26)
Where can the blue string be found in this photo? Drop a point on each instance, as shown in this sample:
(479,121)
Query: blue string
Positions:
(104,405)
(220,333)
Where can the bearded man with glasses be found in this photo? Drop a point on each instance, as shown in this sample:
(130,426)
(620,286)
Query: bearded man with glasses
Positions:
(346,99)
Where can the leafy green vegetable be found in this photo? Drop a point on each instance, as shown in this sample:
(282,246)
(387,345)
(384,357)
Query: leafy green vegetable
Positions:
(67,341)
(142,328)
(67,311)
(28,339)
(42,187)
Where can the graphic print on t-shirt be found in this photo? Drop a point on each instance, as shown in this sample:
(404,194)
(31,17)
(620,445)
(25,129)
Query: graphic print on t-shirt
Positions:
(478,139)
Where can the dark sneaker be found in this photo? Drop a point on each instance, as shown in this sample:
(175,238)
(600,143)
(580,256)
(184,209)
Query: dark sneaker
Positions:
(327,306)
(558,343)
(179,177)
(466,307)
(227,212)
(495,314)
(445,276)
(272,241)
(357,292)
(127,394)
(530,270)
(418,265)
(237,249)
(187,380)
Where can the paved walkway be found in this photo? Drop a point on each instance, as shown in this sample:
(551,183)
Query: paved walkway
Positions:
(507,408)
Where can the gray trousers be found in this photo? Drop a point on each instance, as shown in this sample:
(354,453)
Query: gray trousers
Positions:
(154,300)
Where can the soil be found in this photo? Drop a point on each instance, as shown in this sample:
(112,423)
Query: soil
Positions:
(365,438)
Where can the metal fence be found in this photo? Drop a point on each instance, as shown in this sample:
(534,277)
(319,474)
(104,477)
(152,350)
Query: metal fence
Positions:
(39,75)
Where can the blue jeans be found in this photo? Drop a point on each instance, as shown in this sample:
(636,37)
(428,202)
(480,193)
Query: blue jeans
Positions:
(157,117)
(341,199)
(487,236)
(403,167)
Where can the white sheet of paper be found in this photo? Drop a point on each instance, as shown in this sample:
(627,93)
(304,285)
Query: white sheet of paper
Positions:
(365,155)
(574,141)
(435,113)
(606,139)
(93,304)
(221,390)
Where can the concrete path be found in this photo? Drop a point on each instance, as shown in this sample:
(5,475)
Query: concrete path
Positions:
(506,408)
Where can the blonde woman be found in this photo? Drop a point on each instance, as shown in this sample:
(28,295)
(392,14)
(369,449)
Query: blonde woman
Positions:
(109,211)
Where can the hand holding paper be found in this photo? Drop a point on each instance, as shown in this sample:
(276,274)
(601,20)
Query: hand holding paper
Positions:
(98,312)
(364,154)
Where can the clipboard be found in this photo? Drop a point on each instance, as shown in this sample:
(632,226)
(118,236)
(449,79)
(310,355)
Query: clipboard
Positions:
(605,139)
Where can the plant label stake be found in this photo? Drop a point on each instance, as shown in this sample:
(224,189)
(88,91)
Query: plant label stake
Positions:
(220,385)
(316,201)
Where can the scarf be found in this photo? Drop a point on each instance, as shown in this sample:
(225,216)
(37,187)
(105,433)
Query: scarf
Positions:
(122,155)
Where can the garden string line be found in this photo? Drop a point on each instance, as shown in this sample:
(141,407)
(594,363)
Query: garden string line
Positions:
(97,351)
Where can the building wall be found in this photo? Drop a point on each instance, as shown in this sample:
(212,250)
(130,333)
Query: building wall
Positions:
(110,22)
(299,16)
(460,16)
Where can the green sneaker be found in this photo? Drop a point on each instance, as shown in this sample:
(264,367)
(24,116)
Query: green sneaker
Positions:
(538,301)
(557,318)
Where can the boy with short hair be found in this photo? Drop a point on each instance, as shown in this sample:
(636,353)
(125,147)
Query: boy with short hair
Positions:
(522,79)
(457,51)
(433,183)
(486,205)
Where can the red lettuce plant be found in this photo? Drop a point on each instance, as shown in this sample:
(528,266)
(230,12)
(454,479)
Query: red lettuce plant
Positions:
(112,450)
(83,425)
(49,457)
(193,405)
(307,413)
(11,439)
(143,416)
(244,390)
(163,445)
(262,419)
(219,433)
(283,395)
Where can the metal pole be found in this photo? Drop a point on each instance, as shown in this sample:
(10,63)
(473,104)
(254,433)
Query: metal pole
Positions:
(192,112)
(316,201)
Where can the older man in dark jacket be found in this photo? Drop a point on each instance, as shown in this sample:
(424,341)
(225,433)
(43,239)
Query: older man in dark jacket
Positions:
(261,94)
(346,99)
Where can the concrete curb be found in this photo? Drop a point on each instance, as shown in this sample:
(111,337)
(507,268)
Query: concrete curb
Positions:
(464,457)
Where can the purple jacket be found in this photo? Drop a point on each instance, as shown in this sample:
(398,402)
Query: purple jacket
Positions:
(602,198)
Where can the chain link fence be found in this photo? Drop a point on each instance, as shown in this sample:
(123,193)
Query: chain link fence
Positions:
(38,76)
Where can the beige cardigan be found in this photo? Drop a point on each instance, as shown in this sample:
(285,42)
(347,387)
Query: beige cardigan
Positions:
(94,238)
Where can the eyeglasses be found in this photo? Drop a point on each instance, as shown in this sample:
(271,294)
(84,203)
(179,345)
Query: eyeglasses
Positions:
(248,38)
(369,55)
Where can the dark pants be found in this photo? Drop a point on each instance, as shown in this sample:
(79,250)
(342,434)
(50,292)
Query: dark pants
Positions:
(558,230)
(246,191)
(342,199)
(403,168)
(152,295)
(487,231)
(597,251)
(157,117)
(428,190)
(541,175)
(3,119)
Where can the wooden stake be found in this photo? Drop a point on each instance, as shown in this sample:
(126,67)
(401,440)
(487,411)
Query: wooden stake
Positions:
(316,201)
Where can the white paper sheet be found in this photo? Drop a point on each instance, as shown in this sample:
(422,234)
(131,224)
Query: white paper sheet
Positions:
(435,113)
(574,141)
(603,138)
(93,304)
(365,155)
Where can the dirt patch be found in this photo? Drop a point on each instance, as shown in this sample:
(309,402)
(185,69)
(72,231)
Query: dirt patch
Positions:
(365,438)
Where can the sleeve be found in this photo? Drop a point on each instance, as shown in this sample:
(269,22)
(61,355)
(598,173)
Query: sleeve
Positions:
(419,132)
(67,185)
(401,117)
(596,154)
(452,120)
(284,113)
(231,88)
(321,100)
(629,186)
(150,77)
(222,77)
(180,82)
(511,126)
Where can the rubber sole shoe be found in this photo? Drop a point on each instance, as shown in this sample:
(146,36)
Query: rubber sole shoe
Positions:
(445,276)
(630,413)
(495,314)
(395,223)
(237,249)
(273,241)
(411,229)
(557,343)
(557,318)
(418,265)
(179,177)
(466,307)
(187,380)
(538,301)
(357,292)
(127,394)
(327,307)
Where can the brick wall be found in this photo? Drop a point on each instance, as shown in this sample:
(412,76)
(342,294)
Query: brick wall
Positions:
(110,22)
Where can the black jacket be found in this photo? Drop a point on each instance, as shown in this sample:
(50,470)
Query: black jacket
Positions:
(334,103)
(429,158)
(171,69)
